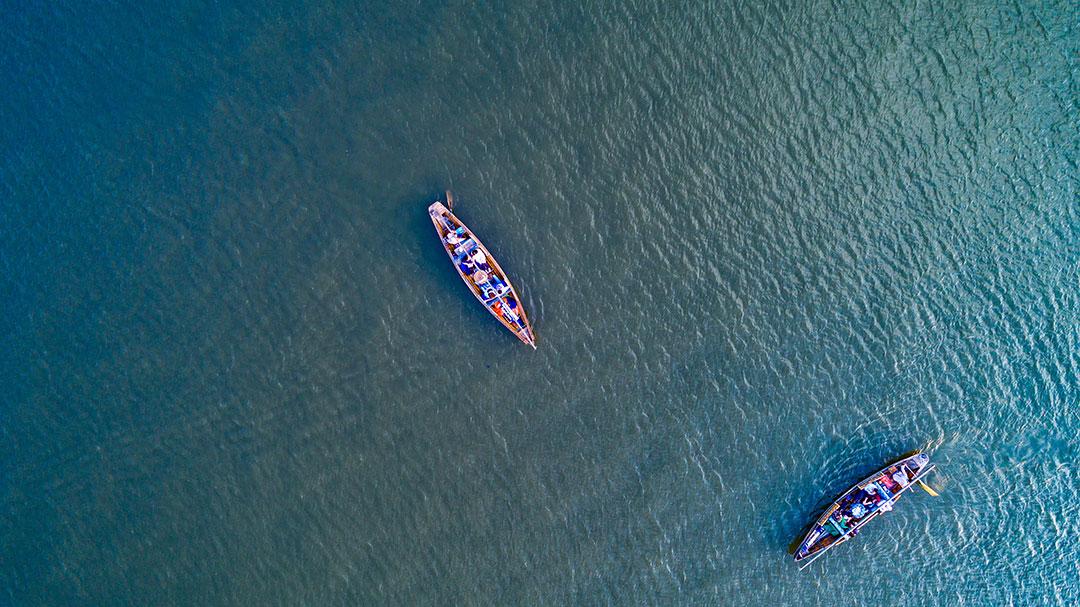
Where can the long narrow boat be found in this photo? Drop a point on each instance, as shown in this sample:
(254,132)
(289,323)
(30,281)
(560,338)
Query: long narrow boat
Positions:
(861,504)
(481,273)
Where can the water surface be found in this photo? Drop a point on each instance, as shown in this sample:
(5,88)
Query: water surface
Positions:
(765,249)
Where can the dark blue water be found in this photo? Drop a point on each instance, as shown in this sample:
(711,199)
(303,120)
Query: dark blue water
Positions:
(765,249)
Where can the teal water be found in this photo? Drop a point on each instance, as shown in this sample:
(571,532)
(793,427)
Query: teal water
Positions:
(765,249)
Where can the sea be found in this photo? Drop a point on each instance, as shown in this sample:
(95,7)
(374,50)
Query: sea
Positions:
(766,247)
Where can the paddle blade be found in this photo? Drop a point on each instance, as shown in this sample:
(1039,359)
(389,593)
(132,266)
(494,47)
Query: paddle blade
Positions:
(927,489)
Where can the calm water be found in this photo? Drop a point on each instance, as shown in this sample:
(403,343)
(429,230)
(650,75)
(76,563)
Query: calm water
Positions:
(765,248)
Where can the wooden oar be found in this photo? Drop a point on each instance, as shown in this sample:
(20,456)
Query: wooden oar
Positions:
(927,488)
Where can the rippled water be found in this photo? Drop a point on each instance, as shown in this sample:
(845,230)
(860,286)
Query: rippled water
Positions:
(765,249)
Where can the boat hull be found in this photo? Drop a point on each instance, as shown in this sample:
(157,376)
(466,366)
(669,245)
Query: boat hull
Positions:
(863,502)
(487,281)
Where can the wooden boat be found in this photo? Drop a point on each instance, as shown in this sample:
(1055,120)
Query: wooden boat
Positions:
(481,273)
(861,504)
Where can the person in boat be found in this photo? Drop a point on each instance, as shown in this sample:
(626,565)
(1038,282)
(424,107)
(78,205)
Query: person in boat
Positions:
(467,266)
(509,310)
(503,311)
(456,237)
(859,510)
(462,250)
(901,478)
(498,286)
(844,519)
(480,259)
